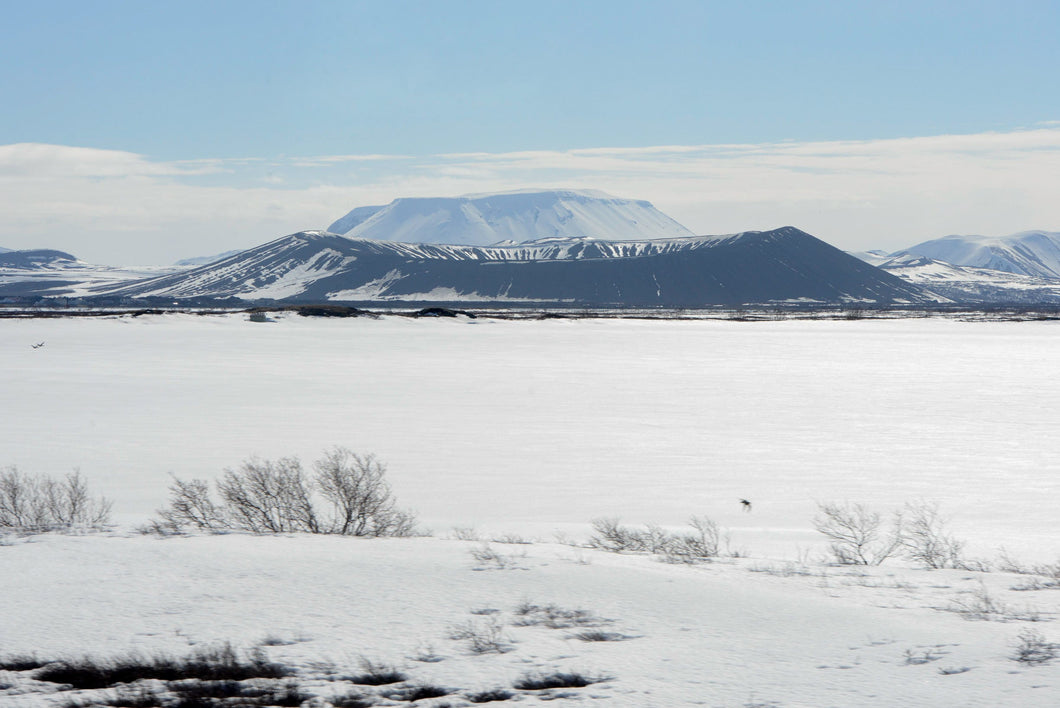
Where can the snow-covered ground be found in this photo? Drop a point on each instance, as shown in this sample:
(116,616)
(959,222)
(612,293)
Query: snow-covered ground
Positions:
(730,633)
(534,428)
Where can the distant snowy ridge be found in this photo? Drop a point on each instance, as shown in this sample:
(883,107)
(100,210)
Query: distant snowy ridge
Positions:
(967,284)
(782,265)
(35,259)
(1022,269)
(205,260)
(485,219)
(50,273)
(1034,253)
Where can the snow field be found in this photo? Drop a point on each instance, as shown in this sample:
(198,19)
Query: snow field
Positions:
(721,634)
(534,428)
(538,427)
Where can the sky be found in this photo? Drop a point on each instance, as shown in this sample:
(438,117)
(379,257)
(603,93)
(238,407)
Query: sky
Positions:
(140,133)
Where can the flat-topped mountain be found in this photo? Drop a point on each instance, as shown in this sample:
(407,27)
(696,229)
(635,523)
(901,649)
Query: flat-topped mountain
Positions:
(482,220)
(782,265)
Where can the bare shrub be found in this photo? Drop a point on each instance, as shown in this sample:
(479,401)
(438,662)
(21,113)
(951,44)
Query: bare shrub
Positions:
(916,658)
(377,674)
(276,496)
(265,496)
(495,694)
(37,503)
(1007,563)
(555,617)
(704,542)
(483,637)
(464,533)
(979,604)
(352,700)
(610,535)
(207,664)
(190,505)
(1033,649)
(596,635)
(787,570)
(426,654)
(417,692)
(558,679)
(1049,570)
(857,534)
(512,538)
(488,558)
(926,541)
(362,501)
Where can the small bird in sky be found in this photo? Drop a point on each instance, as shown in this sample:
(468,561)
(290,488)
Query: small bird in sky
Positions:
(38,345)
(746,504)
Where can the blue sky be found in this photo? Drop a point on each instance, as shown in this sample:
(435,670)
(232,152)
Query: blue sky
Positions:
(264,116)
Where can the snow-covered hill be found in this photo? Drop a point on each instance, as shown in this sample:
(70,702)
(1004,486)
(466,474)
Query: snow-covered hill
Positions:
(481,220)
(782,265)
(1020,269)
(966,284)
(36,259)
(50,273)
(1035,253)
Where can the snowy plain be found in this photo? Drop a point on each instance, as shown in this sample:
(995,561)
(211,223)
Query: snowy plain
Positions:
(535,428)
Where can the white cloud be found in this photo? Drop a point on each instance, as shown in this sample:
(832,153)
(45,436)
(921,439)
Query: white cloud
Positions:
(114,206)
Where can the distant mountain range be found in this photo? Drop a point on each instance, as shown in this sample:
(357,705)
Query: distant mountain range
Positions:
(563,247)
(205,260)
(1023,268)
(783,265)
(1033,253)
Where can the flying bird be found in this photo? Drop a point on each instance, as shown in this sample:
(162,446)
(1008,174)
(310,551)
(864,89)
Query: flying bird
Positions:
(746,504)
(38,345)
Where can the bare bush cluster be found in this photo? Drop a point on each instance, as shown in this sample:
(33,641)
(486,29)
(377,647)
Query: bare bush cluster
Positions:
(555,617)
(485,636)
(486,558)
(347,494)
(703,542)
(926,540)
(860,536)
(857,534)
(34,503)
(1032,648)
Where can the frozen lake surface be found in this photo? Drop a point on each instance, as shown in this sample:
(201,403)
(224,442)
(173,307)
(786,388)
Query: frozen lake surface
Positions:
(541,426)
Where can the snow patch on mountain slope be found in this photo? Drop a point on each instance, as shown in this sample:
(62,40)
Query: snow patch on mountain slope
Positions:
(511,216)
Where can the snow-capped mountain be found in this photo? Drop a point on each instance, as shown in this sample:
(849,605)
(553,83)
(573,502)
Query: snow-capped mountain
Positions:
(967,284)
(1034,253)
(482,220)
(783,265)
